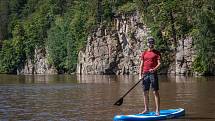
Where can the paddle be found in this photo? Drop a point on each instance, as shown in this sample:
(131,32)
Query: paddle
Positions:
(120,101)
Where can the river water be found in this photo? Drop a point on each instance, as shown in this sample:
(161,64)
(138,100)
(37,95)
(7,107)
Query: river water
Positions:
(91,97)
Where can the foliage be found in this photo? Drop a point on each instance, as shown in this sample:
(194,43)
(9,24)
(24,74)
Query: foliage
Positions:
(58,36)
(12,54)
(68,35)
(172,20)
(29,22)
(108,8)
(128,7)
(62,26)
(204,34)
(3,19)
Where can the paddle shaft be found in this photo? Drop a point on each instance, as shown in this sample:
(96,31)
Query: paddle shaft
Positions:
(131,88)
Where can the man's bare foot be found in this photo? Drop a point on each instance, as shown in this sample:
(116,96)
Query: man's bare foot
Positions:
(145,111)
(157,113)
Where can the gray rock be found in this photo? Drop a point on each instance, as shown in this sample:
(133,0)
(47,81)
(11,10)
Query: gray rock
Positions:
(184,57)
(37,66)
(117,52)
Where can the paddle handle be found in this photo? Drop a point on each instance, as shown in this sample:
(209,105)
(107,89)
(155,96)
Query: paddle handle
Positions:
(131,88)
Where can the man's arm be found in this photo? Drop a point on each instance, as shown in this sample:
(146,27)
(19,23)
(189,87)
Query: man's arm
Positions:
(159,63)
(156,67)
(141,69)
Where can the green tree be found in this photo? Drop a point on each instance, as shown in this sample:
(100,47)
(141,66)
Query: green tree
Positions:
(204,36)
(59,43)
(172,20)
(12,53)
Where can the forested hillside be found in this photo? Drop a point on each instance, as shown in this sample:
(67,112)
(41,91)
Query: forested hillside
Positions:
(61,28)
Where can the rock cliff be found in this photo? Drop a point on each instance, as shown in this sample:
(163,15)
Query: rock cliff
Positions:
(39,65)
(184,57)
(117,50)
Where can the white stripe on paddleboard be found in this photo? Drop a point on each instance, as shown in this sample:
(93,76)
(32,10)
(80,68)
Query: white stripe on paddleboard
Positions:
(135,116)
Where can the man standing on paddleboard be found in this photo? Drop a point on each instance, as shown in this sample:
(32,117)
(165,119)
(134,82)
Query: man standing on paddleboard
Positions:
(150,61)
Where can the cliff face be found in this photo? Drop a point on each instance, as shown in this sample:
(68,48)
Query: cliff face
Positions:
(184,58)
(37,66)
(114,51)
(117,51)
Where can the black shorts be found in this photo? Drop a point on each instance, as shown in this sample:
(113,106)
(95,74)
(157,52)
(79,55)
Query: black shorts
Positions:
(150,79)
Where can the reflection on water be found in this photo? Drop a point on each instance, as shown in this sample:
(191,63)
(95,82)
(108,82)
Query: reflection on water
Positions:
(91,97)
(105,78)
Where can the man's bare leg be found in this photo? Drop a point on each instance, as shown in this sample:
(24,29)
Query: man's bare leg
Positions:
(157,102)
(146,101)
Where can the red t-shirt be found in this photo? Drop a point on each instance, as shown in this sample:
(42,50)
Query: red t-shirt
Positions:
(150,59)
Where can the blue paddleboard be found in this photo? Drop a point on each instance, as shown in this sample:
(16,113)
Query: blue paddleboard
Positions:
(150,116)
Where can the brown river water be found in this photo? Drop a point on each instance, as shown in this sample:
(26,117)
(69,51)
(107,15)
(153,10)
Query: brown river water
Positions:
(91,97)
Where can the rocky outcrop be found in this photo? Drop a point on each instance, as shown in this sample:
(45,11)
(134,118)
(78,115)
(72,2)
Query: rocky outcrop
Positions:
(37,66)
(116,50)
(184,57)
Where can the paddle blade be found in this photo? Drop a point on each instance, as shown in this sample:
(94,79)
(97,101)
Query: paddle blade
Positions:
(119,102)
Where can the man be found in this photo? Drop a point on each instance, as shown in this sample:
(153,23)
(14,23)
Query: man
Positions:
(150,61)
